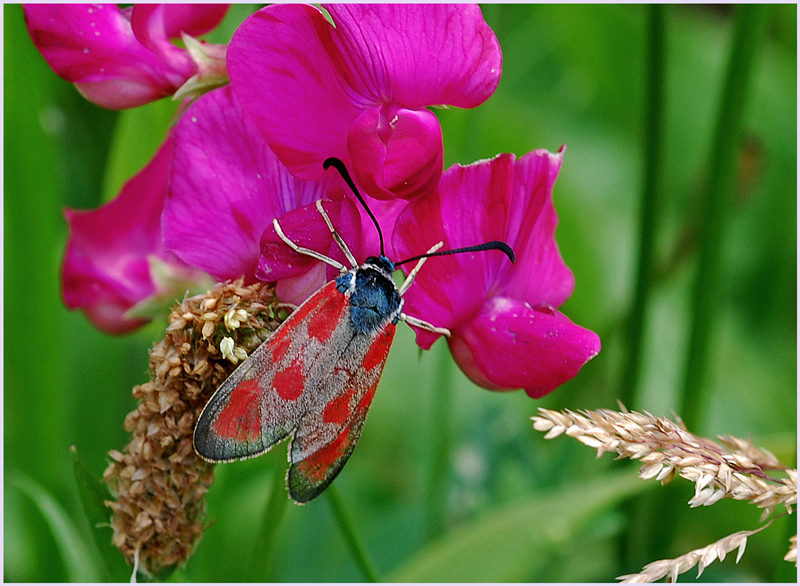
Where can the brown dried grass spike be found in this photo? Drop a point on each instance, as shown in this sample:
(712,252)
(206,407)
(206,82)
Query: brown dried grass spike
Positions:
(158,481)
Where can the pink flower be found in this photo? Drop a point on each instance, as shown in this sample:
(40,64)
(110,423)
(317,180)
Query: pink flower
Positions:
(111,251)
(358,89)
(506,330)
(122,58)
(227,186)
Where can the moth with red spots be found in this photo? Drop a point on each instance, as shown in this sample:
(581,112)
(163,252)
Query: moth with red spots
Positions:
(314,379)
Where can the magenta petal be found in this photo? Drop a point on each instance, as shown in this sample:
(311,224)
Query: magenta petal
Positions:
(506,200)
(226,188)
(506,332)
(154,23)
(532,219)
(299,276)
(418,55)
(469,207)
(306,227)
(105,270)
(306,81)
(396,154)
(94,47)
(281,69)
(511,345)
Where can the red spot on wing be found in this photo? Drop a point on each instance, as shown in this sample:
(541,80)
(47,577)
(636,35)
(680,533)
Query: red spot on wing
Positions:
(240,419)
(366,401)
(318,301)
(309,476)
(290,382)
(323,322)
(309,306)
(321,312)
(312,303)
(338,409)
(282,333)
(279,348)
(379,350)
(315,467)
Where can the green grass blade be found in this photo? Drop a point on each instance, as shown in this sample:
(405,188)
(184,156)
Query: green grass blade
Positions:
(80,563)
(650,204)
(516,542)
(93,494)
(351,536)
(751,26)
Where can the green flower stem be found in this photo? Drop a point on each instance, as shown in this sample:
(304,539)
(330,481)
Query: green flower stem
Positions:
(751,21)
(265,538)
(351,536)
(440,441)
(648,219)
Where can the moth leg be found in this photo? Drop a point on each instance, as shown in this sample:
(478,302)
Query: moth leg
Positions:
(307,251)
(335,235)
(415,321)
(413,274)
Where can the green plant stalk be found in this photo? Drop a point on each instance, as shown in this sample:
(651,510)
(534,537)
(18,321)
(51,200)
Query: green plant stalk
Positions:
(633,543)
(648,219)
(750,25)
(440,442)
(351,535)
(751,21)
(265,538)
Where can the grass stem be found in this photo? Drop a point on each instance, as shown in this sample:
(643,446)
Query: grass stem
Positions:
(750,26)
(641,510)
(351,535)
(648,219)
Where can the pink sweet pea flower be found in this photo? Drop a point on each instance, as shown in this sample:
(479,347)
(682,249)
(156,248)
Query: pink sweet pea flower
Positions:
(122,58)
(506,331)
(227,186)
(358,89)
(112,252)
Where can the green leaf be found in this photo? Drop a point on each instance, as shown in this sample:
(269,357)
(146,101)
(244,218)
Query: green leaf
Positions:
(80,563)
(516,542)
(93,494)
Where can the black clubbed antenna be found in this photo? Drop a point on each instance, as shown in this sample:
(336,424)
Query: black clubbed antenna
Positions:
(492,245)
(334,162)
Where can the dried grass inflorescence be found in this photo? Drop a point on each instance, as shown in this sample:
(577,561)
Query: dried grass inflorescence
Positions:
(732,468)
(158,481)
(699,557)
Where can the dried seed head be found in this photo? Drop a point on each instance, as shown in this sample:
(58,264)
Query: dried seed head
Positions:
(158,481)
(791,555)
(735,469)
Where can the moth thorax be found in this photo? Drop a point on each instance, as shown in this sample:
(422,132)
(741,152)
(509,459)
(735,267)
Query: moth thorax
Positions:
(374,298)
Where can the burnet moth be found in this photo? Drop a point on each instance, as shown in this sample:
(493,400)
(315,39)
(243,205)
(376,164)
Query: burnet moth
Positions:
(314,378)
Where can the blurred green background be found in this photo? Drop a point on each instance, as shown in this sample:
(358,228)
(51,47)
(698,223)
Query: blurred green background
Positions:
(449,481)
